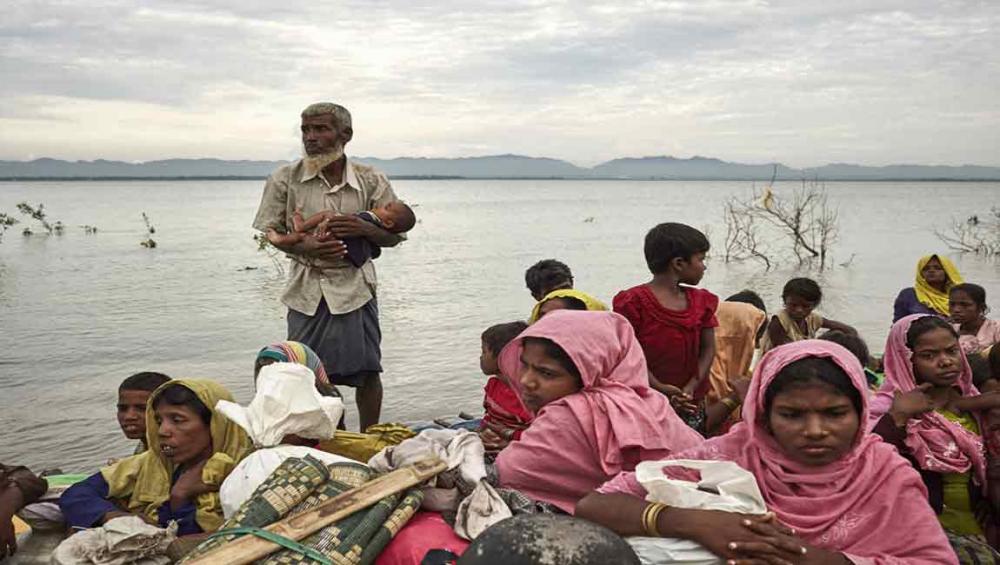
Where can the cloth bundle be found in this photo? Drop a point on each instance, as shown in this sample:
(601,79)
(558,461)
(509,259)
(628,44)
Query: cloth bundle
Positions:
(119,541)
(462,489)
(363,446)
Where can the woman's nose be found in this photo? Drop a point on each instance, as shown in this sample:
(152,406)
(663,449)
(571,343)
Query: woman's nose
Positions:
(814,427)
(528,379)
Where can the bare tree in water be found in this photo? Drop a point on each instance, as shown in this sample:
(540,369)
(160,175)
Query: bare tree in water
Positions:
(803,216)
(6,222)
(37,213)
(270,250)
(975,234)
(149,242)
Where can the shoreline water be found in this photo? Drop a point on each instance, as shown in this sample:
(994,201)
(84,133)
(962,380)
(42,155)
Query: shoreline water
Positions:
(82,312)
(572,179)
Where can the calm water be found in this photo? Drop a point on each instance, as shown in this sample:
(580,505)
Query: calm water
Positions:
(78,313)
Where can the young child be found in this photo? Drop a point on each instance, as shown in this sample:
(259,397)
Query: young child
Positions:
(857,346)
(396,217)
(797,320)
(675,324)
(506,416)
(545,276)
(968,309)
(132,396)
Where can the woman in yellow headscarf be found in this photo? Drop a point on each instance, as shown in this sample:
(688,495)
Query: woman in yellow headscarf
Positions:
(565,299)
(192,448)
(936,274)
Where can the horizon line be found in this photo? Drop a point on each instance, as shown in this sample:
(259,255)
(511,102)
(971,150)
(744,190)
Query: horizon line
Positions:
(513,155)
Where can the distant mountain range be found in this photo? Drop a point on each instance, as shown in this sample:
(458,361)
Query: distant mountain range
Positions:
(499,167)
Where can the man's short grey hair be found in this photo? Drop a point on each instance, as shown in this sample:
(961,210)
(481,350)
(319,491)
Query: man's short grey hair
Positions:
(341,117)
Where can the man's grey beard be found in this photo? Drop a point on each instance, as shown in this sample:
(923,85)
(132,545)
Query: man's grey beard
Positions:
(313,164)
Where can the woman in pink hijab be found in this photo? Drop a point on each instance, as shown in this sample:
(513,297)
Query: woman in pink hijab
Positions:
(926,409)
(838,494)
(584,376)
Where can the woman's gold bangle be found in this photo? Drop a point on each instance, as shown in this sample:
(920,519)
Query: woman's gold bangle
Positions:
(650,516)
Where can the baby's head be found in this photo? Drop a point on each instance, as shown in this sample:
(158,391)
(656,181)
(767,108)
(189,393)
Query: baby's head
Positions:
(495,338)
(801,296)
(132,396)
(396,216)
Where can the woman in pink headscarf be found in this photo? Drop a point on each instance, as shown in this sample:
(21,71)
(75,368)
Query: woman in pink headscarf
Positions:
(838,493)
(583,374)
(924,408)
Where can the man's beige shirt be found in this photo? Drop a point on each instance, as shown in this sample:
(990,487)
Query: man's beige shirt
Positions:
(344,286)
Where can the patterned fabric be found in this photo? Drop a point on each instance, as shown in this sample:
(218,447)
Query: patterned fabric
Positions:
(299,485)
(291,483)
(973,550)
(295,352)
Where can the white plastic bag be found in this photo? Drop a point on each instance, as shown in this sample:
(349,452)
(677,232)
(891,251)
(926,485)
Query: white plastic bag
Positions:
(724,486)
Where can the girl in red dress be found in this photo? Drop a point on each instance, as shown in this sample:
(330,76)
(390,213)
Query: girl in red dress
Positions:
(674,322)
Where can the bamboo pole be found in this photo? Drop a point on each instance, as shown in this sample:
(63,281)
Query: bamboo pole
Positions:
(248,549)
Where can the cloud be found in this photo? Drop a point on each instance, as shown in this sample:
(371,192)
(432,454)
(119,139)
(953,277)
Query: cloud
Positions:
(801,82)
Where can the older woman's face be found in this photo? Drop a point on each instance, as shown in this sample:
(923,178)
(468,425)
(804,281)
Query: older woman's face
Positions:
(933,272)
(184,437)
(813,423)
(544,379)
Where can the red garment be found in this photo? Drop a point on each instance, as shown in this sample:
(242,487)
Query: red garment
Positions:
(424,532)
(504,407)
(671,339)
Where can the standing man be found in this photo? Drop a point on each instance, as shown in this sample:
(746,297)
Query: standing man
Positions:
(332,306)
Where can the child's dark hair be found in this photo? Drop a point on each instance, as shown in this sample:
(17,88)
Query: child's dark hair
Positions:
(806,289)
(811,370)
(920,326)
(180,395)
(572,303)
(981,370)
(546,276)
(497,337)
(553,350)
(975,292)
(669,241)
(749,297)
(146,380)
(852,343)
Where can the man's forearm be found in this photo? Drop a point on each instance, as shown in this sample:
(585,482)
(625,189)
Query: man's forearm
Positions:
(383,238)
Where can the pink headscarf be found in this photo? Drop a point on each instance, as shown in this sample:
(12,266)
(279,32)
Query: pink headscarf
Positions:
(937,443)
(583,439)
(870,504)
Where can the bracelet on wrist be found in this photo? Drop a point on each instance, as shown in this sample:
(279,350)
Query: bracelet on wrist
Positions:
(649,518)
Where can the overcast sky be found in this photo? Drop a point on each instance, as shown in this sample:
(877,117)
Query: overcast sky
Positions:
(804,82)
